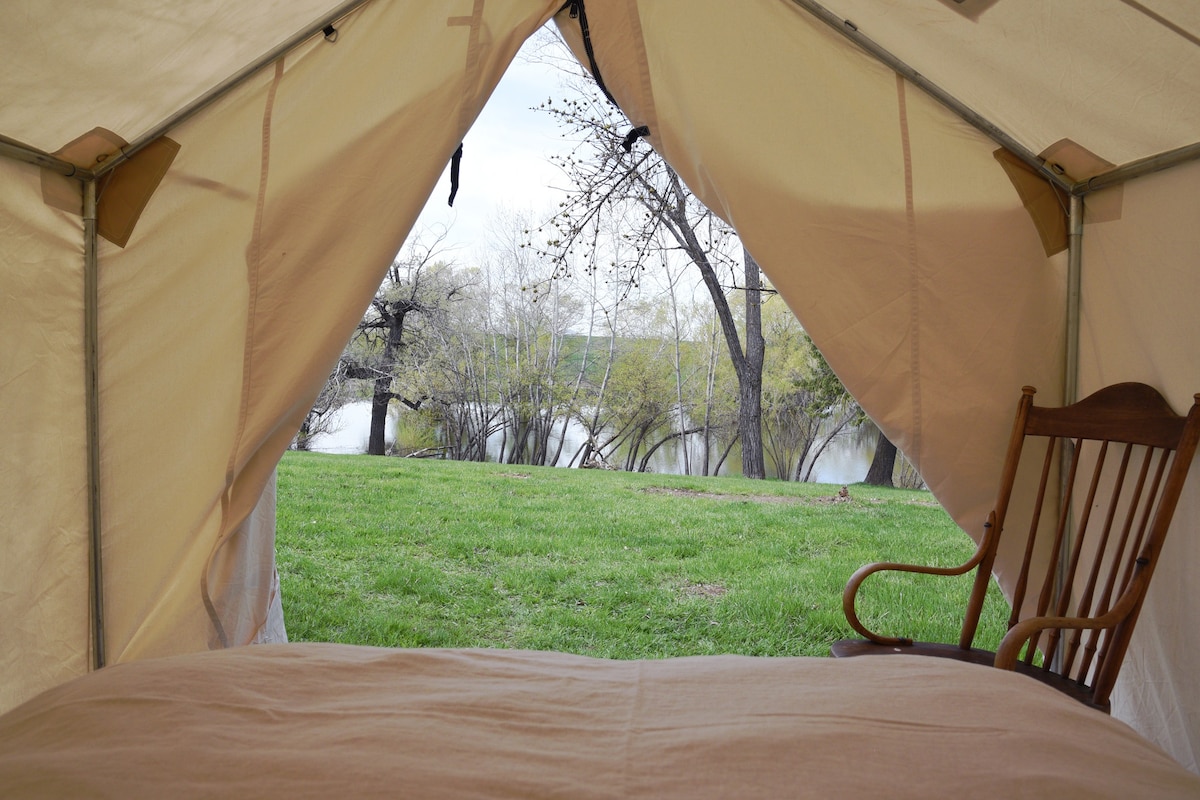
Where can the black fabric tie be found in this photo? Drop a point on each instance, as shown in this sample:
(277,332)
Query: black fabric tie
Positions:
(455,163)
(633,136)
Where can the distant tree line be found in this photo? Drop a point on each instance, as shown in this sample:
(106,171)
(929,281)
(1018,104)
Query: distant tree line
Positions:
(495,361)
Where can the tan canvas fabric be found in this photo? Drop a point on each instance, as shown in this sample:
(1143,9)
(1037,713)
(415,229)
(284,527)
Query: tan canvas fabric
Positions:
(294,721)
(43,469)
(288,227)
(126,66)
(1140,289)
(219,320)
(1117,77)
(883,219)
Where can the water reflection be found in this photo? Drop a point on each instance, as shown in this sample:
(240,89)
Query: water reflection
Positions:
(844,461)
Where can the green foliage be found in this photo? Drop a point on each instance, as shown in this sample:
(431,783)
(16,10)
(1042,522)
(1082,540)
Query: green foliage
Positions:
(640,391)
(415,553)
(804,402)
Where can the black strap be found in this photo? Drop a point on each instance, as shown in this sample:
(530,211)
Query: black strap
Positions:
(455,163)
(633,136)
(578,12)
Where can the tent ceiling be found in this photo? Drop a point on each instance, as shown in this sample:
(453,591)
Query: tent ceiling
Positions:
(135,64)
(1140,57)
(131,64)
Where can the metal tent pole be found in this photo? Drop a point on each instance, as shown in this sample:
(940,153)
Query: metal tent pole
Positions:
(1070,376)
(1138,168)
(91,347)
(1074,276)
(19,151)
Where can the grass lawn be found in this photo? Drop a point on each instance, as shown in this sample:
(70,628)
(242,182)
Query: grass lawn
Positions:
(420,553)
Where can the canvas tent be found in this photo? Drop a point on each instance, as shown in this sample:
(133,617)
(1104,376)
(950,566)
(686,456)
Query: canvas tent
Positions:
(197,201)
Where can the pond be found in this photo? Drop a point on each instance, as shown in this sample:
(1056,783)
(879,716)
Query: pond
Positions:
(844,461)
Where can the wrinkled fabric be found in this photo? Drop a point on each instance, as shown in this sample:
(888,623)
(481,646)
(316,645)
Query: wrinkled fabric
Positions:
(293,721)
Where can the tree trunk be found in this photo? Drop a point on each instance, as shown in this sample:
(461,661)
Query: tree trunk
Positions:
(747,365)
(750,383)
(880,473)
(380,397)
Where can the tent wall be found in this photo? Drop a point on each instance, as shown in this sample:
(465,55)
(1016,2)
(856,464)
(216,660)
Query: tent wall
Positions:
(891,230)
(43,462)
(1119,78)
(151,59)
(883,219)
(1139,322)
(218,324)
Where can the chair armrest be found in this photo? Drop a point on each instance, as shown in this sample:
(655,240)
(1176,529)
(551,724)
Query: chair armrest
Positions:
(1010,646)
(850,593)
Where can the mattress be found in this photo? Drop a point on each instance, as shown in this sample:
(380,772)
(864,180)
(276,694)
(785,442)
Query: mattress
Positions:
(324,720)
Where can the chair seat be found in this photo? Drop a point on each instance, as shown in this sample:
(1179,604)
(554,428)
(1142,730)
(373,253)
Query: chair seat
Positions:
(846,648)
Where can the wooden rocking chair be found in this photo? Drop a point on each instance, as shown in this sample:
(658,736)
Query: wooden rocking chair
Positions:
(1092,588)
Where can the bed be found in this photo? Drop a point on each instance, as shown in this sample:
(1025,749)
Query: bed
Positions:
(325,720)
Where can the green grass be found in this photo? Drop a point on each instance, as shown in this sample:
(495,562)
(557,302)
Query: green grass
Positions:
(418,553)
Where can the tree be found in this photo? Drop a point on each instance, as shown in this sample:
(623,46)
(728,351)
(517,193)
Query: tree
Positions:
(806,407)
(614,178)
(320,418)
(883,463)
(414,285)
(639,399)
(533,315)
(458,373)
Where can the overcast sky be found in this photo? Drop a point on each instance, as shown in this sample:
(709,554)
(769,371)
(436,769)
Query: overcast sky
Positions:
(505,159)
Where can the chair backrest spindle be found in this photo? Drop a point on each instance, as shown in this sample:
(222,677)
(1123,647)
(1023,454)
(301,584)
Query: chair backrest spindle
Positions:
(1105,539)
(1031,536)
(1093,535)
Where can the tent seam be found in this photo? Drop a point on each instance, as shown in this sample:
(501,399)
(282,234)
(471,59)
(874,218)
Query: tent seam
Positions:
(473,23)
(914,309)
(253,262)
(650,111)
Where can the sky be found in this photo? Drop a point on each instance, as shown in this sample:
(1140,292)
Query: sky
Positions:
(506,159)
(506,164)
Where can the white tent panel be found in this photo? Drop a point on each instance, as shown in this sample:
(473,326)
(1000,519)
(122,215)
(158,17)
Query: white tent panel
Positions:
(1139,289)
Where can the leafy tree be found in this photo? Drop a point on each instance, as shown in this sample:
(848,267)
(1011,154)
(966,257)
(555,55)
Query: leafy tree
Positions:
(639,398)
(617,181)
(415,284)
(806,407)
(533,316)
(459,375)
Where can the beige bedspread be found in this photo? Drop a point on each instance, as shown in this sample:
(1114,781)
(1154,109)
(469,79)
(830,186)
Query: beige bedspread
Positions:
(307,720)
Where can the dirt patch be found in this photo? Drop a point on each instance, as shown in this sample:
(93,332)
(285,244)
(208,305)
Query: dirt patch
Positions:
(749,498)
(704,589)
(843,496)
